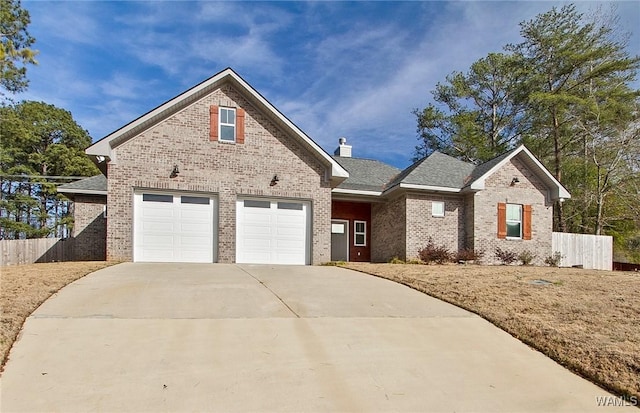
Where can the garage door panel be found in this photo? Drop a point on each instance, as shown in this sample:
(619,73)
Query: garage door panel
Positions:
(157,227)
(251,231)
(258,219)
(173,228)
(190,228)
(291,245)
(272,232)
(290,231)
(194,240)
(166,212)
(194,214)
(257,243)
(158,240)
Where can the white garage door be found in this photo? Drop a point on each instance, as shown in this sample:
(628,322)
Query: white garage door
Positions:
(272,232)
(173,227)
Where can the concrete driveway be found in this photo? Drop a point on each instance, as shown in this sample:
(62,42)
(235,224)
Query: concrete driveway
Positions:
(248,338)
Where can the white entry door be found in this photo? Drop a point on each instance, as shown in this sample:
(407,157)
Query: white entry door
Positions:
(173,227)
(272,231)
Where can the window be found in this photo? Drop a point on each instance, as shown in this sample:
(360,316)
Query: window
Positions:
(360,233)
(249,203)
(194,200)
(514,221)
(157,198)
(227,122)
(437,208)
(290,205)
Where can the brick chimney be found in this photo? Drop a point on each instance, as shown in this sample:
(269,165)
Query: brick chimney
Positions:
(343,150)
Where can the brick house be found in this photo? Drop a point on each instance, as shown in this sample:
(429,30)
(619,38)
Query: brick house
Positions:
(218,174)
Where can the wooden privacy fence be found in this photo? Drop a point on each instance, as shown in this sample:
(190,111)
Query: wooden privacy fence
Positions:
(28,251)
(589,251)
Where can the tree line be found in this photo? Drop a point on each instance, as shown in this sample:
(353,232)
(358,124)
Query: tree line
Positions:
(41,145)
(567,92)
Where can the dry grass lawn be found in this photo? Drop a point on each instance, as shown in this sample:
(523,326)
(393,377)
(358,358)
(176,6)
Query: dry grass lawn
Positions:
(24,287)
(588,321)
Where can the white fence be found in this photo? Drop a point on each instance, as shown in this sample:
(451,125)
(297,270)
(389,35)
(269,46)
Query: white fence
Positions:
(28,251)
(589,251)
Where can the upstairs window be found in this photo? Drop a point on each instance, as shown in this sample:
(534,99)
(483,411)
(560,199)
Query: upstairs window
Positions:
(227,124)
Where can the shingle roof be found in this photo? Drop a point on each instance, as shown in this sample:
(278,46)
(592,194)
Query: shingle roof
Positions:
(366,174)
(97,183)
(438,170)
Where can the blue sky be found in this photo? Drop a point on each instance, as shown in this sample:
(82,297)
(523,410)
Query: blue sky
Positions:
(352,69)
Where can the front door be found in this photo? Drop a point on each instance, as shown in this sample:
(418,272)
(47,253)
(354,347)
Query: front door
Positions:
(339,240)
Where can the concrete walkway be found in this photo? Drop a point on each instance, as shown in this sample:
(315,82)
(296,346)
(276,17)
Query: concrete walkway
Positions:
(244,338)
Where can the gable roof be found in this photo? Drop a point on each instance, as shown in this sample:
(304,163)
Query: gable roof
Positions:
(366,175)
(94,185)
(482,172)
(437,172)
(104,146)
(483,168)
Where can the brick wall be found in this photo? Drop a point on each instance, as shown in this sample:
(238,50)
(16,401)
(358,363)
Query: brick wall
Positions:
(225,169)
(530,190)
(388,229)
(469,214)
(421,225)
(89,228)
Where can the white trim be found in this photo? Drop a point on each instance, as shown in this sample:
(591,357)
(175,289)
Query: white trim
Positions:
(221,124)
(81,191)
(561,193)
(355,192)
(507,220)
(430,188)
(346,226)
(355,244)
(104,146)
(438,215)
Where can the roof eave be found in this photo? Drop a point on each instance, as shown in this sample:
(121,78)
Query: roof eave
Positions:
(424,188)
(81,191)
(556,190)
(355,192)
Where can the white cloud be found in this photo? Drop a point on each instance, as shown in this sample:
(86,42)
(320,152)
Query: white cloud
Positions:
(123,86)
(334,68)
(65,22)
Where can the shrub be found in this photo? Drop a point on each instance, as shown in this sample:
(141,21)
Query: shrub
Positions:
(468,254)
(506,257)
(553,260)
(434,253)
(396,260)
(333,263)
(526,257)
